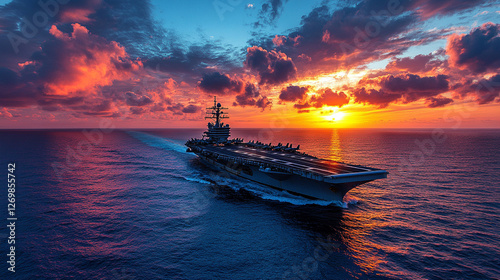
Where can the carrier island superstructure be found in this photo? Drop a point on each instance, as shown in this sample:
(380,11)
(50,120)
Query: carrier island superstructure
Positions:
(278,166)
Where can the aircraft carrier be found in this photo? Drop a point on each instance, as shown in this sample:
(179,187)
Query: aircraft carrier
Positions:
(278,166)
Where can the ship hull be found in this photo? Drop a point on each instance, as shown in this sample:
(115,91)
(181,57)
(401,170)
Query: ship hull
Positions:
(292,183)
(280,167)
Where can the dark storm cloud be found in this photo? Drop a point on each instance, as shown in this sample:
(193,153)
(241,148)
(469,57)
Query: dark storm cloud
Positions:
(293,93)
(484,90)
(403,88)
(50,103)
(273,67)
(191,109)
(247,93)
(137,110)
(302,106)
(180,109)
(133,99)
(439,101)
(16,91)
(247,97)
(8,78)
(487,90)
(374,97)
(96,107)
(478,51)
(414,87)
(269,12)
(251,97)
(176,108)
(263,102)
(219,83)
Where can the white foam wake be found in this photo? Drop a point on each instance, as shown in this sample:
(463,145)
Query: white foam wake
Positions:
(272,194)
(157,141)
(191,179)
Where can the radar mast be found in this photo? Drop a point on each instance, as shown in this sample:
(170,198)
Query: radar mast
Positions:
(215,113)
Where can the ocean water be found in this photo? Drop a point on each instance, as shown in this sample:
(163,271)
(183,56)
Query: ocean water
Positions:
(130,204)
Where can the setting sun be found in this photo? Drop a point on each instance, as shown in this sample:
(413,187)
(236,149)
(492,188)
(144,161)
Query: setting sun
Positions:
(335,116)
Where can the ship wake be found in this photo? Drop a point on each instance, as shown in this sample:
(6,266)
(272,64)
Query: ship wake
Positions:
(256,190)
(158,142)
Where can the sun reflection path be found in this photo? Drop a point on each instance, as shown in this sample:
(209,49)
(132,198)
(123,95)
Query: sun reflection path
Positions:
(335,149)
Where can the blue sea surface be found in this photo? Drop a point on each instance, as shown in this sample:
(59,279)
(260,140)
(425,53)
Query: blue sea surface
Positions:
(131,204)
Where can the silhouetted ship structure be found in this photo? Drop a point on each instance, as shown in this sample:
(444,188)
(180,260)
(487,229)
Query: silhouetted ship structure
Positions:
(280,167)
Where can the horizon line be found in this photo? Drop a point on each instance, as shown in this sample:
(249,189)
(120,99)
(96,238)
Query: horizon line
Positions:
(196,128)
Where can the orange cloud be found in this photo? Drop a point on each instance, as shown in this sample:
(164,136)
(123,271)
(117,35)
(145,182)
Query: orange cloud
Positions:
(76,15)
(79,14)
(84,62)
(279,40)
(4,113)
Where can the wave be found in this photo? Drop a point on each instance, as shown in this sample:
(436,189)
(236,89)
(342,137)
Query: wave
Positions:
(157,141)
(298,200)
(191,179)
(270,194)
(286,197)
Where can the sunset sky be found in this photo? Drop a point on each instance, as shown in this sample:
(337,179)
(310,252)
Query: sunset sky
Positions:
(274,63)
